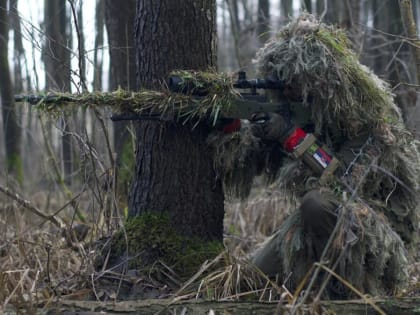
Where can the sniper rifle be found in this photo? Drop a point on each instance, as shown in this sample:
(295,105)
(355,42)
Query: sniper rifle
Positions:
(296,142)
(246,104)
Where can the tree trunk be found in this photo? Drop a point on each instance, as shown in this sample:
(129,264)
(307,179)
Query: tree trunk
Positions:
(119,18)
(393,60)
(286,11)
(235,26)
(333,12)
(10,121)
(56,56)
(263,20)
(99,42)
(307,5)
(174,166)
(80,33)
(350,20)
(19,52)
(410,26)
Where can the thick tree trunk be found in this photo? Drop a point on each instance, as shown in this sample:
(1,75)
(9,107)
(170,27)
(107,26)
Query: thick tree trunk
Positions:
(174,167)
(10,122)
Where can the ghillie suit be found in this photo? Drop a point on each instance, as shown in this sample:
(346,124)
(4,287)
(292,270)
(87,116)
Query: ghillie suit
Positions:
(374,193)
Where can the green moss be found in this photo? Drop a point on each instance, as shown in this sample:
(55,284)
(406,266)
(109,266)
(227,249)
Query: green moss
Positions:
(150,237)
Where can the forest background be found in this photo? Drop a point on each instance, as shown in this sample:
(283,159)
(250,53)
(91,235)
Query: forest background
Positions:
(65,167)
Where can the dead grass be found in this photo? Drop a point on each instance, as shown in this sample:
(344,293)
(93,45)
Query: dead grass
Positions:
(38,264)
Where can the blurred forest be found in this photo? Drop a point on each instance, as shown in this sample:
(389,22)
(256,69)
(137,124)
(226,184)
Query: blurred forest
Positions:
(75,169)
(48,53)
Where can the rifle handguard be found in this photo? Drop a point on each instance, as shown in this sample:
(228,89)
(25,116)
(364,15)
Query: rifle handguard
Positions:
(305,146)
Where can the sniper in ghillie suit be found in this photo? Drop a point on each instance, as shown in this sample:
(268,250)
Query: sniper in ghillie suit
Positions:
(363,220)
(337,146)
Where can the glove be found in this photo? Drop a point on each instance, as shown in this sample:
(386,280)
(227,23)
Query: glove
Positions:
(228,125)
(271,126)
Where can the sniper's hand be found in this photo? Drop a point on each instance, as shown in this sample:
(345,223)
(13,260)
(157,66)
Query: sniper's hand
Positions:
(271,126)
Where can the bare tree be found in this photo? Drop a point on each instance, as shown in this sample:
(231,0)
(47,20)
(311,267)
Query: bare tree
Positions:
(19,52)
(12,132)
(410,26)
(235,25)
(56,56)
(307,5)
(263,20)
(119,18)
(286,11)
(99,42)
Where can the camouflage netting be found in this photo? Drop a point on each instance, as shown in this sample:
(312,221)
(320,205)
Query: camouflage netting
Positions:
(347,103)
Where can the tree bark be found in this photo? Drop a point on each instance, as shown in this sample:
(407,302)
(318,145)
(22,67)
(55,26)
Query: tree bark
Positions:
(174,166)
(10,120)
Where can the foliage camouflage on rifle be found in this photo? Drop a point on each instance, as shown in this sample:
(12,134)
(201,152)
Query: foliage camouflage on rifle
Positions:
(216,90)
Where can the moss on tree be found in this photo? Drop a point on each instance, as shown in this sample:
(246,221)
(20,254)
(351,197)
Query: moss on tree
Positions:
(149,238)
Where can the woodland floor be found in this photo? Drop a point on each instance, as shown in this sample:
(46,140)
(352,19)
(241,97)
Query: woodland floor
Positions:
(44,271)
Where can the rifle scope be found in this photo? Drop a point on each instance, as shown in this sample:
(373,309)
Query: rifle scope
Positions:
(269,83)
(179,85)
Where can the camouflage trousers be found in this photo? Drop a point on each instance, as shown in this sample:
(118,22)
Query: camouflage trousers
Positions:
(374,258)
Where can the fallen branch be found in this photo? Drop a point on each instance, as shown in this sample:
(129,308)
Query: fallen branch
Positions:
(400,306)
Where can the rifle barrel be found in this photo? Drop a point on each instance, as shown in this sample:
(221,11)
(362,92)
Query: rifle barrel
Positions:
(50,98)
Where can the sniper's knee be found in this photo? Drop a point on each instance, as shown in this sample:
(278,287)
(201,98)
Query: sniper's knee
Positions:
(318,212)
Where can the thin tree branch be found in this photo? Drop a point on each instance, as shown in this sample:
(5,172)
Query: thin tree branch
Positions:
(27,205)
